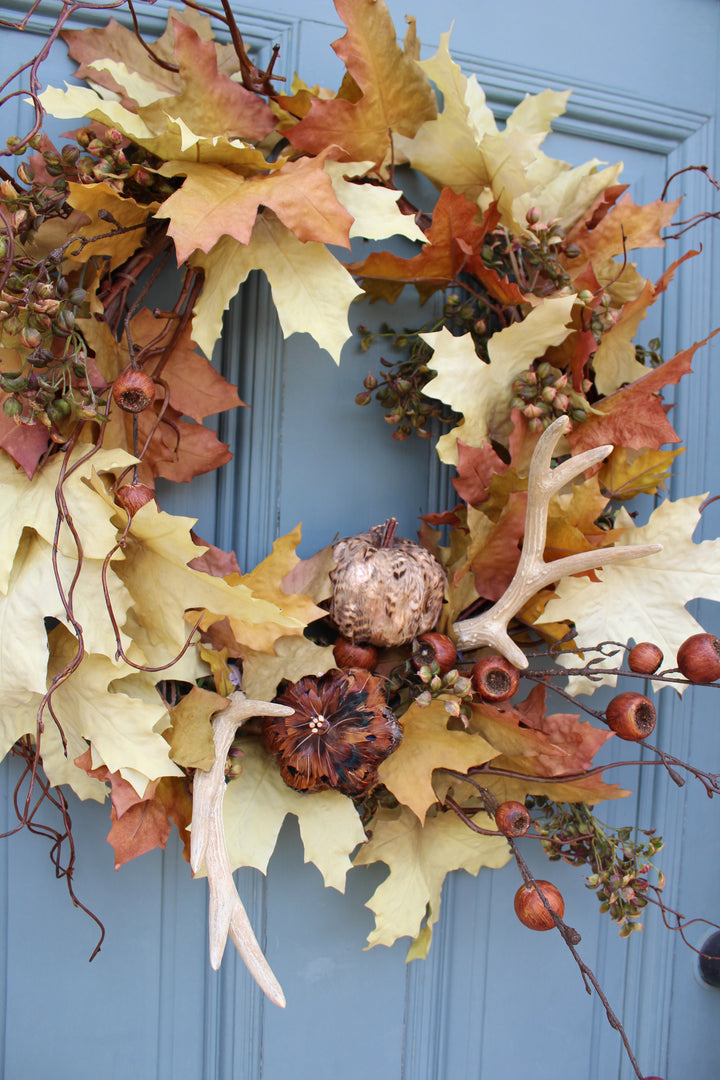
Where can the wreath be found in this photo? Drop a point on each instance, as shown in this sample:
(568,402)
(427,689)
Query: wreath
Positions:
(392,695)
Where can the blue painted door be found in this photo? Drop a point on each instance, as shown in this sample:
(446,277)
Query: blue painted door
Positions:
(493,1001)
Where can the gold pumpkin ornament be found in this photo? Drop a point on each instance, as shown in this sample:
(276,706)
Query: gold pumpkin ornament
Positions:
(386,590)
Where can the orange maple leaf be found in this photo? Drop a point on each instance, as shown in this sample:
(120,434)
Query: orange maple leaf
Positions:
(214,201)
(387,92)
(384,276)
(141,823)
(635,417)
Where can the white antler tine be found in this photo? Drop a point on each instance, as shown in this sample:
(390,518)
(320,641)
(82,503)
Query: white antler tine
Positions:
(207,844)
(533,573)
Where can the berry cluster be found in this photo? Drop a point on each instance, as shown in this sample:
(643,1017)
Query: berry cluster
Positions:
(543,393)
(619,865)
(39,305)
(399,389)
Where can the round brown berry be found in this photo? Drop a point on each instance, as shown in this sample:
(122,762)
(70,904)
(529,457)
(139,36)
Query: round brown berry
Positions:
(433,648)
(512,818)
(645,658)
(531,910)
(495,679)
(133,390)
(699,658)
(351,654)
(631,716)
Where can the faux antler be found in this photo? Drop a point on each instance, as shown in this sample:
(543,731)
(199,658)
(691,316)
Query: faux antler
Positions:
(533,573)
(226,912)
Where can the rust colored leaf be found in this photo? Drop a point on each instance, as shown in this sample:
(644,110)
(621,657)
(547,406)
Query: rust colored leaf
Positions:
(116,42)
(537,743)
(141,823)
(476,467)
(495,548)
(383,275)
(395,94)
(635,416)
(214,561)
(211,103)
(24,443)
(626,226)
(214,201)
(179,449)
(196,389)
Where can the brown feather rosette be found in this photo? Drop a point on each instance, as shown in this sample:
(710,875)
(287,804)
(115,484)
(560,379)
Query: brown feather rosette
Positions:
(340,731)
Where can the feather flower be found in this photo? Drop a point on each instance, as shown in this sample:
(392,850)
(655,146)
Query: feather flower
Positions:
(340,731)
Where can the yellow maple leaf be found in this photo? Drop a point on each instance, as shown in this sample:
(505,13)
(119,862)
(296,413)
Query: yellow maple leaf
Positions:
(373,208)
(292,659)
(428,745)
(32,596)
(214,201)
(462,149)
(170,139)
(446,148)
(92,706)
(257,803)
(191,736)
(311,289)
(627,473)
(155,569)
(642,600)
(419,857)
(34,506)
(482,392)
(89,199)
(265,583)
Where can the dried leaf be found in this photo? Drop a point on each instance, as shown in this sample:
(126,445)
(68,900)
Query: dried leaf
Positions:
(257,803)
(419,857)
(481,391)
(191,736)
(394,96)
(627,473)
(642,600)
(214,201)
(312,291)
(428,745)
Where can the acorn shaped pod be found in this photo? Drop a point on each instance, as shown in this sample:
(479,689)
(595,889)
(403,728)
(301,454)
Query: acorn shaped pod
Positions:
(386,590)
(340,730)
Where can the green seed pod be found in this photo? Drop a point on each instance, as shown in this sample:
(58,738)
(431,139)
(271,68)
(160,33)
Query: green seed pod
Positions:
(12,407)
